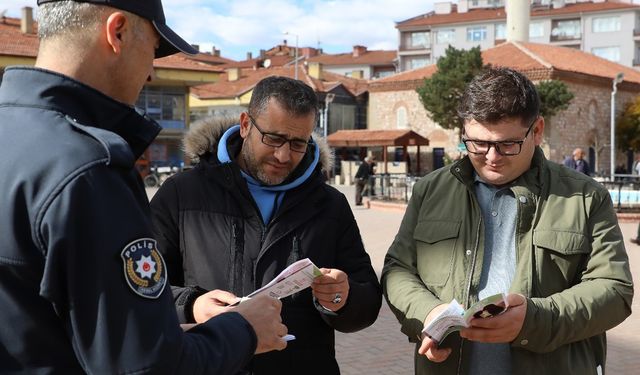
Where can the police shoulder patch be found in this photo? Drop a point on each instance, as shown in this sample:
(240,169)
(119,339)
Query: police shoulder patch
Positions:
(144,268)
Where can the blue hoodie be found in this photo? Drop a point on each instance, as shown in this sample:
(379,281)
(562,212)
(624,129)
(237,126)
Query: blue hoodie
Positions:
(267,197)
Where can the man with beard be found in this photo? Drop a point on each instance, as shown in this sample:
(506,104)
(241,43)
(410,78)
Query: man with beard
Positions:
(256,202)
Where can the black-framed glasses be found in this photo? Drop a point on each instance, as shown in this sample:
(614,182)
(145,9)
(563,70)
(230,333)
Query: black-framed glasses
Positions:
(504,148)
(276,140)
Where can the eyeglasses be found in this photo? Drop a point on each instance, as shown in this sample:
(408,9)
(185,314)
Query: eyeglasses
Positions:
(505,148)
(276,140)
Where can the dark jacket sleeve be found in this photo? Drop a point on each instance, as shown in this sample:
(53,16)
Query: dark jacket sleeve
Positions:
(365,294)
(113,330)
(165,213)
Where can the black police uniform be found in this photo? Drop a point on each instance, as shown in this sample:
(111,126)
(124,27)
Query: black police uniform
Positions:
(82,286)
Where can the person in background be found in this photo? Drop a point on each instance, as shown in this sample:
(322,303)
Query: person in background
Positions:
(504,219)
(581,165)
(82,284)
(362,177)
(256,202)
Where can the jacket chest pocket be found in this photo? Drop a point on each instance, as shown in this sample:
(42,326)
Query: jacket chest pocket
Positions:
(435,250)
(560,259)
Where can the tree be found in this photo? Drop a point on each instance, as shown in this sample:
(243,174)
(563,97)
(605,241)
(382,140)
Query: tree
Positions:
(628,127)
(554,97)
(441,93)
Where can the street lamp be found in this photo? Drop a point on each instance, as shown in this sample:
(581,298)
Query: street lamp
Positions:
(296,58)
(618,79)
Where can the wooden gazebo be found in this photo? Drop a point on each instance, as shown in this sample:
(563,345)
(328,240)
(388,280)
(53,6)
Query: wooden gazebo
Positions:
(379,138)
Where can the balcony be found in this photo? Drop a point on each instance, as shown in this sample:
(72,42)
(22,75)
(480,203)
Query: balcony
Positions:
(565,37)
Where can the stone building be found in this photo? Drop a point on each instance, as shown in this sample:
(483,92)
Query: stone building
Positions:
(394,102)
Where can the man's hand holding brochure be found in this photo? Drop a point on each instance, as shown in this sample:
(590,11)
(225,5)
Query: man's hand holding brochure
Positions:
(495,319)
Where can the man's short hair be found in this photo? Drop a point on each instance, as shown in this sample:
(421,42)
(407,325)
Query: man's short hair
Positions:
(75,19)
(497,94)
(297,98)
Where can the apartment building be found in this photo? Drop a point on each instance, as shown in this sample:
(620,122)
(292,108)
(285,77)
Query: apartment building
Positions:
(361,63)
(606,28)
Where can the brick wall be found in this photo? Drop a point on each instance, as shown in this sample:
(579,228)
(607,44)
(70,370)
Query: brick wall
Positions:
(586,123)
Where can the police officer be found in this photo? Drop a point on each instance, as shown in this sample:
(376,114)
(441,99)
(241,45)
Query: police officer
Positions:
(82,285)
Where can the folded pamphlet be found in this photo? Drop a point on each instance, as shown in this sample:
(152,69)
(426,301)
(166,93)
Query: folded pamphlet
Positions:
(454,317)
(296,277)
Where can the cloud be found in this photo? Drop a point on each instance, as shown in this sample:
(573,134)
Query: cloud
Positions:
(240,26)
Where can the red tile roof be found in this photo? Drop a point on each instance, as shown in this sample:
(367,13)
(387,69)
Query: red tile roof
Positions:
(369,138)
(210,59)
(375,57)
(249,64)
(483,14)
(224,89)
(180,61)
(541,60)
(15,43)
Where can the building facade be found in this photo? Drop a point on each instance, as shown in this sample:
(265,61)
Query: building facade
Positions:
(606,28)
(586,123)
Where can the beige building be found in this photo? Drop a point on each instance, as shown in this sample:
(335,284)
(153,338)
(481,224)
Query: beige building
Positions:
(605,28)
(394,103)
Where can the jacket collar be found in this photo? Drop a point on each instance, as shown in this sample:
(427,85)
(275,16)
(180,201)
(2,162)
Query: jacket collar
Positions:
(41,88)
(532,179)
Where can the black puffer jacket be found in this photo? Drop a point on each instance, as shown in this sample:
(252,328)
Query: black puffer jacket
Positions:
(212,236)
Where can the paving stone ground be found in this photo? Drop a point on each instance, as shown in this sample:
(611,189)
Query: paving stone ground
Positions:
(383,349)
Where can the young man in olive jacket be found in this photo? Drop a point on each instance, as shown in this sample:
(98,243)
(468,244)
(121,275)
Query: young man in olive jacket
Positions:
(256,202)
(504,219)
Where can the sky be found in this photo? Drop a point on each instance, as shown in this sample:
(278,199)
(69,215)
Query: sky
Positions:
(238,27)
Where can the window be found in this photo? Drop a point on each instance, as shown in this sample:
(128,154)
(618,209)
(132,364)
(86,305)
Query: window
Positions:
(536,30)
(501,31)
(166,105)
(415,62)
(565,30)
(419,39)
(609,53)
(401,118)
(476,34)
(606,24)
(445,36)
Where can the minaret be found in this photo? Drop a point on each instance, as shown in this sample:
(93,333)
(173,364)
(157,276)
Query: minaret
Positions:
(518,15)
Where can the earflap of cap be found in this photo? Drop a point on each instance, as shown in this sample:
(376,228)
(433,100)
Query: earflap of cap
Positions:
(170,42)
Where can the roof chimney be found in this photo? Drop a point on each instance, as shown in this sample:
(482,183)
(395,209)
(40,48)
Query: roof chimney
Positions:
(442,7)
(463,6)
(216,52)
(315,70)
(263,53)
(26,23)
(359,51)
(249,56)
(518,17)
(233,74)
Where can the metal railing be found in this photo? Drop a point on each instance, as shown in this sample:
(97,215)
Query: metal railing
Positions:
(624,190)
(391,186)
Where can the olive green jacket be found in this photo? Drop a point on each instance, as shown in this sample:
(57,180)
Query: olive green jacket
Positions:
(571,265)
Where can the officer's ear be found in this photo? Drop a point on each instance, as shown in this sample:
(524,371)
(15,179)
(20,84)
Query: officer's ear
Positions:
(116,26)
